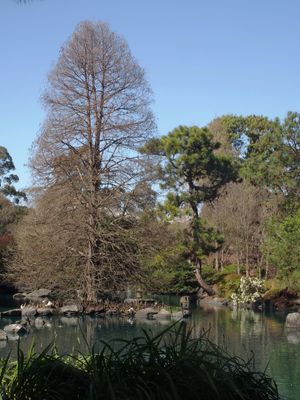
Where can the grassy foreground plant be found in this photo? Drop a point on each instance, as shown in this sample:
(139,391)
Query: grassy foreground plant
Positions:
(171,365)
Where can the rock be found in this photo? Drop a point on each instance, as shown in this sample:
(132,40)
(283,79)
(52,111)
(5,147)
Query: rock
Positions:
(3,335)
(41,293)
(148,312)
(15,329)
(97,309)
(293,320)
(70,309)
(90,310)
(28,311)
(12,337)
(296,301)
(130,301)
(163,314)
(19,296)
(177,315)
(16,312)
(39,296)
(44,311)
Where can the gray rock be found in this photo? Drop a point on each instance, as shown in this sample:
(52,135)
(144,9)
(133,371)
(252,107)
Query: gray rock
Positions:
(163,314)
(16,312)
(19,296)
(28,311)
(3,335)
(130,301)
(148,312)
(44,311)
(41,293)
(177,315)
(70,309)
(293,320)
(12,337)
(15,329)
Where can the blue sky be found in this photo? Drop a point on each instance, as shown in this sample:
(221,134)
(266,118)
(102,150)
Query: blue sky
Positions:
(203,58)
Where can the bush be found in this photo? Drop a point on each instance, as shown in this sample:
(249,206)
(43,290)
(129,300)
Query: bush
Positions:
(171,365)
(249,291)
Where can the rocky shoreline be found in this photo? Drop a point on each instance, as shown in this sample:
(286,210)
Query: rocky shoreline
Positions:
(39,306)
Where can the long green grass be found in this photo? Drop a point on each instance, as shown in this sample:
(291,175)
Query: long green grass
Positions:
(171,365)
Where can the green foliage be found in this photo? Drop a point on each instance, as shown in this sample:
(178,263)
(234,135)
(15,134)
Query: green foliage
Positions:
(168,271)
(226,279)
(7,178)
(171,365)
(192,173)
(273,157)
(282,244)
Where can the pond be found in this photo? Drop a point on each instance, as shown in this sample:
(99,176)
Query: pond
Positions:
(242,333)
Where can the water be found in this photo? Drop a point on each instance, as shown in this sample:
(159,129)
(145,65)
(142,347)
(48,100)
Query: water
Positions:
(242,333)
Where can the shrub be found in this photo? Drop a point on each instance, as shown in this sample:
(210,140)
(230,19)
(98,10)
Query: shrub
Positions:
(249,291)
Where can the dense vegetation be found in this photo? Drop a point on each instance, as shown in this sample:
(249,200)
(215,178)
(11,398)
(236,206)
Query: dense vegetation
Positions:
(113,205)
(171,365)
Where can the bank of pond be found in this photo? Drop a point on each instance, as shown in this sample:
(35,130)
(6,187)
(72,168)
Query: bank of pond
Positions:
(248,335)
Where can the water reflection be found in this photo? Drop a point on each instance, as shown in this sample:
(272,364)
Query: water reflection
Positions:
(242,333)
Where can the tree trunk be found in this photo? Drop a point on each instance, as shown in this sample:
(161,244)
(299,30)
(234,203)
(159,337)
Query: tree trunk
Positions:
(209,290)
(217,261)
(89,290)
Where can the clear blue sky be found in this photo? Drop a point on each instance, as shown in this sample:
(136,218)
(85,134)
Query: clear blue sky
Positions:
(203,58)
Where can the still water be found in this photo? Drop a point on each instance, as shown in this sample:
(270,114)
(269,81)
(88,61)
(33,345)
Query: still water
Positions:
(242,333)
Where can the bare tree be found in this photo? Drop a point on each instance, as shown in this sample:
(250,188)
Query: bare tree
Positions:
(240,213)
(98,115)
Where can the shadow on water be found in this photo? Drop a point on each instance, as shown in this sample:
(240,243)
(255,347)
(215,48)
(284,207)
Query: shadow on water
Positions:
(241,332)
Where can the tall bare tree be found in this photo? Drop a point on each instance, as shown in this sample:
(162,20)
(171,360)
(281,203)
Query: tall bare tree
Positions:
(98,114)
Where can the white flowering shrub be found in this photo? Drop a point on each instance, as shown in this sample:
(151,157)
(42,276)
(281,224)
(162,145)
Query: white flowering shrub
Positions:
(249,291)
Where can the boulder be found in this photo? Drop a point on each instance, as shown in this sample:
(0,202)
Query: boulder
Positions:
(15,329)
(70,309)
(293,320)
(44,311)
(12,337)
(148,312)
(41,293)
(97,309)
(3,335)
(28,311)
(163,314)
(130,301)
(16,312)
(19,296)
(177,315)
